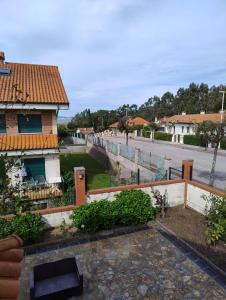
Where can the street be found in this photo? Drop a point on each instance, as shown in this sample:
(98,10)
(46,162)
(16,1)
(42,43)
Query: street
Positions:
(202,159)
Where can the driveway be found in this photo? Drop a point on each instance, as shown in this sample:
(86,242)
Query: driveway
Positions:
(202,159)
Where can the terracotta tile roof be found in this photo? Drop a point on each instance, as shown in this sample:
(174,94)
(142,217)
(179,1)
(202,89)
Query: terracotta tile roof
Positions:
(28,142)
(134,121)
(42,83)
(139,121)
(114,125)
(194,118)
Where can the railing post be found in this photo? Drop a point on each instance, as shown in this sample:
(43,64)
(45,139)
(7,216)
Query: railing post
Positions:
(80,185)
(118,149)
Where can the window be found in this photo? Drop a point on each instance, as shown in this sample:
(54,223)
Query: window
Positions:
(182,129)
(174,129)
(34,167)
(188,129)
(29,123)
(2,124)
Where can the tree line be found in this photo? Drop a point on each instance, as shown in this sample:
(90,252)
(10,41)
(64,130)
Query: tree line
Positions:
(193,99)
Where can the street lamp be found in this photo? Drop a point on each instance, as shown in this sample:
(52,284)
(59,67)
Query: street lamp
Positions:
(222,106)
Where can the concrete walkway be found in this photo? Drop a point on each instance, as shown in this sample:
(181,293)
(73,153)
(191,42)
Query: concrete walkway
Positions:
(140,265)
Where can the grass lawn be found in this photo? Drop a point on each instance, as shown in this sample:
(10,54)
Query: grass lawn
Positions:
(97,176)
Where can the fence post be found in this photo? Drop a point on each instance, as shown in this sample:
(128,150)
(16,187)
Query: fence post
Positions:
(136,159)
(118,149)
(167,166)
(80,185)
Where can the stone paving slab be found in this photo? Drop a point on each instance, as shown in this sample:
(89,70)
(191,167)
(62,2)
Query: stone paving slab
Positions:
(140,265)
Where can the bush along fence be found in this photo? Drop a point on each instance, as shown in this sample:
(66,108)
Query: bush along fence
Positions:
(89,217)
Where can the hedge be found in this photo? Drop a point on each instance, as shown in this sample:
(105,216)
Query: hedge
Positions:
(131,207)
(194,140)
(223,144)
(163,136)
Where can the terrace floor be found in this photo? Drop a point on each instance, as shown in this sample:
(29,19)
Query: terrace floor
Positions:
(139,265)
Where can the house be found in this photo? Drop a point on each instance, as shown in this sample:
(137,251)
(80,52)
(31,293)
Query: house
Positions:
(30,98)
(137,121)
(181,125)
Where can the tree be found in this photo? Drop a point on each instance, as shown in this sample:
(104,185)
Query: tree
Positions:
(123,126)
(11,200)
(214,133)
(62,131)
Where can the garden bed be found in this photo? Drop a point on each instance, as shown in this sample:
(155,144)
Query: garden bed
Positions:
(191,227)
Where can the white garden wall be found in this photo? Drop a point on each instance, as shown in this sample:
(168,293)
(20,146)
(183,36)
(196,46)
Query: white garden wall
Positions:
(174,192)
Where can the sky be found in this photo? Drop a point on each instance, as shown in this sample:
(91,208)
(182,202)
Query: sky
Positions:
(114,52)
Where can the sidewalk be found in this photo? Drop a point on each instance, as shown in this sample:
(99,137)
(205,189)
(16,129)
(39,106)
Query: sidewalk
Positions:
(181,146)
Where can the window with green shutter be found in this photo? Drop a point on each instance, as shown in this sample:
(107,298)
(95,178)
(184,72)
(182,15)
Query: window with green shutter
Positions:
(34,167)
(29,123)
(2,124)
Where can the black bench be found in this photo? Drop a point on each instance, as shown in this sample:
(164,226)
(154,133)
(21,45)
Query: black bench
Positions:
(56,280)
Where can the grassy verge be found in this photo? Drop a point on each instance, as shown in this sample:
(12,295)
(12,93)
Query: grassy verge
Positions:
(97,176)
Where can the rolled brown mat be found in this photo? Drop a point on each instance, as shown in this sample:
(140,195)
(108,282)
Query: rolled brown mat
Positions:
(12,255)
(10,269)
(11,242)
(9,288)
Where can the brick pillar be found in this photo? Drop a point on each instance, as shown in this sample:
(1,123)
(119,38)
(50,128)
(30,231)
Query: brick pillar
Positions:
(80,185)
(187,168)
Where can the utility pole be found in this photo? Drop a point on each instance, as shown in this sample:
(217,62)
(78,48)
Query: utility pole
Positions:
(222,106)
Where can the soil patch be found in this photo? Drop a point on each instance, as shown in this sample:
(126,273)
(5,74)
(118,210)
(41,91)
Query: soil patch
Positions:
(191,227)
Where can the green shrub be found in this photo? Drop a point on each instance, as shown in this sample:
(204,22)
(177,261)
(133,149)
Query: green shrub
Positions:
(29,227)
(163,136)
(223,144)
(131,207)
(94,216)
(194,140)
(216,215)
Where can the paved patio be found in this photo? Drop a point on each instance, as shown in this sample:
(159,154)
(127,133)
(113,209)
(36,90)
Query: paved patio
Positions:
(140,265)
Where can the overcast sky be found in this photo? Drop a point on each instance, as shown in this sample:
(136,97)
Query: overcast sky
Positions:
(112,52)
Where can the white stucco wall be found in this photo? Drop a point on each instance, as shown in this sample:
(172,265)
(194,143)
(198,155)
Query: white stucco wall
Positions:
(174,192)
(195,198)
(52,166)
(56,219)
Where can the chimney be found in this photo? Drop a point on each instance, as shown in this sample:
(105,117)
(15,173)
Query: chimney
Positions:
(2,57)
(202,113)
(183,113)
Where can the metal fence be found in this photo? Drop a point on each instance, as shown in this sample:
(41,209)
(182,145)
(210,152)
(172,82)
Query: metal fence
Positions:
(127,152)
(112,147)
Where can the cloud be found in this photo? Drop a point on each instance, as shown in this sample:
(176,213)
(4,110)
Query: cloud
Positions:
(115,52)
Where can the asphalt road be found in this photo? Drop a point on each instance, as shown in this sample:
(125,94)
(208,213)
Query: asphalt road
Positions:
(202,159)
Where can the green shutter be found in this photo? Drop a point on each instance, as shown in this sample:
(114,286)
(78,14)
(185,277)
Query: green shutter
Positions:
(35,167)
(29,123)
(2,124)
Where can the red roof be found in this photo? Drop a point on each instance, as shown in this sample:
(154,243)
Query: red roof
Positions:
(29,83)
(192,118)
(28,142)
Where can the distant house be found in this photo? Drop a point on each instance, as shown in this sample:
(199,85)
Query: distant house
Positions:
(137,121)
(30,99)
(180,125)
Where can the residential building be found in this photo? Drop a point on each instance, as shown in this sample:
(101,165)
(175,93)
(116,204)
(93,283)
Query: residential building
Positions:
(137,121)
(31,96)
(181,125)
